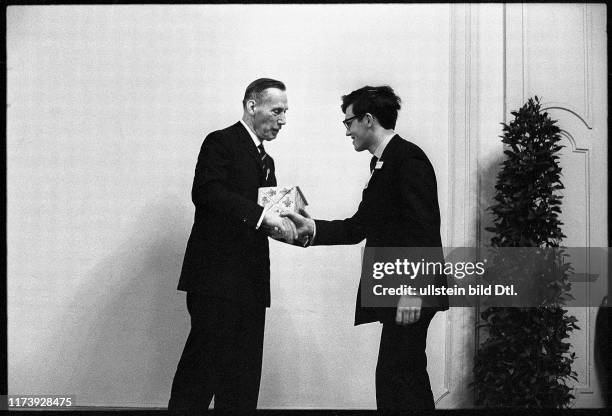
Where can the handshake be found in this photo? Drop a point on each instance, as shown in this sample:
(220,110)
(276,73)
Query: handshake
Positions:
(289,227)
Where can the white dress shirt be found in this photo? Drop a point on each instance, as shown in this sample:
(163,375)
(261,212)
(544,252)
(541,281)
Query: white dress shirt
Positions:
(383,145)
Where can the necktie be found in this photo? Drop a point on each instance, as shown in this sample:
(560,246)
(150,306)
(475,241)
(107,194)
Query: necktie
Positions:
(265,166)
(373,163)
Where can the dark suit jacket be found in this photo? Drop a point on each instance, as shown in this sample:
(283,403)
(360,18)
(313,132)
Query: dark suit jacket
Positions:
(399,208)
(226,257)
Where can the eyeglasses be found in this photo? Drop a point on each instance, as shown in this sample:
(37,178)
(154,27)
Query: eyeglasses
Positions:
(347,122)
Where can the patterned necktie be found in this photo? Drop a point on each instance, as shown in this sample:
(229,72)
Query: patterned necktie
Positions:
(265,166)
(373,163)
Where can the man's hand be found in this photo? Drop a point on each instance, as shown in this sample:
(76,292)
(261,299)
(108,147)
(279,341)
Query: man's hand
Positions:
(279,228)
(304,224)
(289,232)
(272,220)
(408,310)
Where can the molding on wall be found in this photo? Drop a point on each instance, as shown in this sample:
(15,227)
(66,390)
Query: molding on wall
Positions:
(514,77)
(565,107)
(523,40)
(585,386)
(584,114)
(463,145)
(451,213)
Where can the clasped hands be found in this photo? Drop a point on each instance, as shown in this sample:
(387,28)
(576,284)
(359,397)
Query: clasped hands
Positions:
(290,227)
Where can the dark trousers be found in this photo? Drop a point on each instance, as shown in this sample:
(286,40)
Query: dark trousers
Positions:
(222,357)
(402,382)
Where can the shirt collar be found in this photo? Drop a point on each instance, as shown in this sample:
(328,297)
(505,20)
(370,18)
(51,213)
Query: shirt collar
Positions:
(383,144)
(256,139)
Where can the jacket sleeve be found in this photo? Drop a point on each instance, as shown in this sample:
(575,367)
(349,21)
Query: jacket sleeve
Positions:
(210,184)
(338,232)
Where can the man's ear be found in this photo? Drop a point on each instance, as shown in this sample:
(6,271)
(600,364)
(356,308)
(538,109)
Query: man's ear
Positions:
(250,107)
(369,119)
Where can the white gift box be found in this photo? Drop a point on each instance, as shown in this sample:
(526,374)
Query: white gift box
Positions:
(281,198)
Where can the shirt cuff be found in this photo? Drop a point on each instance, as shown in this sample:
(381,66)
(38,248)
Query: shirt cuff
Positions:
(311,239)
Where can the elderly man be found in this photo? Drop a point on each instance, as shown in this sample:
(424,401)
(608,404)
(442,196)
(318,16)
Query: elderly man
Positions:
(226,270)
(399,208)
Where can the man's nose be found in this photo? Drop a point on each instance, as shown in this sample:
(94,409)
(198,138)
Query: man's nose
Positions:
(282,120)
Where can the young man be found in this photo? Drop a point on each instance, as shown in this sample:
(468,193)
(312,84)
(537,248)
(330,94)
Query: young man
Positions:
(399,208)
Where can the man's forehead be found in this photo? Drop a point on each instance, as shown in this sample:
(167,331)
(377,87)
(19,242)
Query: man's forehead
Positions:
(273,95)
(349,111)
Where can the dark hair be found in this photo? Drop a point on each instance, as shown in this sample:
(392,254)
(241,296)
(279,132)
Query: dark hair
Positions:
(256,88)
(381,102)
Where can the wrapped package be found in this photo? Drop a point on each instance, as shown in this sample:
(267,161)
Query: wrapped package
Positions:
(281,198)
(277,199)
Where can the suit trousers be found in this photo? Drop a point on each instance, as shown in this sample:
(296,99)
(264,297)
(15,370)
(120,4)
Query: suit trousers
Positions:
(222,357)
(402,382)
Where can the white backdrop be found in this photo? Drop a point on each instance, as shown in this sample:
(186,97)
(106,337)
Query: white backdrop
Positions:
(107,109)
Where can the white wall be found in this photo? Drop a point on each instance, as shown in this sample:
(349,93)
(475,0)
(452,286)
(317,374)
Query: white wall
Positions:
(107,108)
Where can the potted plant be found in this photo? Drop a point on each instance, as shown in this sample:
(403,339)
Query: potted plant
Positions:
(525,360)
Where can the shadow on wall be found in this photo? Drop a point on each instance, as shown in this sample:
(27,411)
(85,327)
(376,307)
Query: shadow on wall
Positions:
(488,180)
(471,316)
(127,322)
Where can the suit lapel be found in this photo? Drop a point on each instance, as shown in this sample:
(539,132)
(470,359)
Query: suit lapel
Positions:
(247,142)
